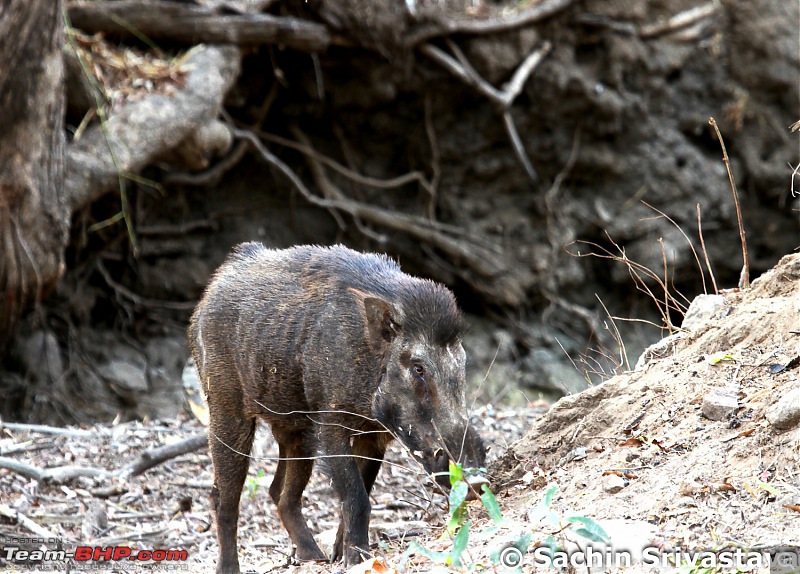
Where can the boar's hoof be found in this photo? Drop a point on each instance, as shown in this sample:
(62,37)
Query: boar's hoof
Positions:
(310,554)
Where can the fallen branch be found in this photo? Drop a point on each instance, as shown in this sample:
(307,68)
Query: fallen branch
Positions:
(145,130)
(46,429)
(146,461)
(57,475)
(156,456)
(195,24)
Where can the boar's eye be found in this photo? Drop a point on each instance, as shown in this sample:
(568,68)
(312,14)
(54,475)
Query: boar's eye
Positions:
(419,370)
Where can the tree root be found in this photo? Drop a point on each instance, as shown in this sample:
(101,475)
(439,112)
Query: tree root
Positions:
(485,269)
(195,24)
(146,130)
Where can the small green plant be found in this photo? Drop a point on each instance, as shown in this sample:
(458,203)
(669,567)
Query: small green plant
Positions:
(254,482)
(515,538)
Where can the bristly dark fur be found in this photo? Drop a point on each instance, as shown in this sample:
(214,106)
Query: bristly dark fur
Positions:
(279,333)
(429,307)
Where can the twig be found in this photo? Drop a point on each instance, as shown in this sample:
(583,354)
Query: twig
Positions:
(666,282)
(537,13)
(679,21)
(41,531)
(504,99)
(57,475)
(705,253)
(143,301)
(516,143)
(617,337)
(148,459)
(552,194)
(686,237)
(78,433)
(795,171)
(744,277)
(156,456)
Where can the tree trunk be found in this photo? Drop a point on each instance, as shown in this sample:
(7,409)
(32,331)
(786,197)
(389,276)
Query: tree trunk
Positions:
(34,217)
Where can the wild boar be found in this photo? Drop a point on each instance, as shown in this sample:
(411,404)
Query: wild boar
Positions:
(340,352)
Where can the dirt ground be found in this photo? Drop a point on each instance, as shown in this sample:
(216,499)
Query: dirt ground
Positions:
(636,454)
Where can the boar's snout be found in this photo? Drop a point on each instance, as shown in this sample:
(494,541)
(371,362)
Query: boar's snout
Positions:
(471,457)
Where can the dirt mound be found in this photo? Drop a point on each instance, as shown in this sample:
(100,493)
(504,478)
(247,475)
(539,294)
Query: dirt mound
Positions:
(639,446)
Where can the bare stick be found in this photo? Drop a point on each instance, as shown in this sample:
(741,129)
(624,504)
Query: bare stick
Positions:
(156,456)
(57,475)
(623,354)
(9,512)
(525,69)
(666,283)
(705,253)
(744,277)
(686,237)
(471,79)
(47,429)
(516,143)
(679,21)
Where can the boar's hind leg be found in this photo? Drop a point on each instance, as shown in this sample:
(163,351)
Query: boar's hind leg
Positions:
(291,478)
(226,441)
(369,463)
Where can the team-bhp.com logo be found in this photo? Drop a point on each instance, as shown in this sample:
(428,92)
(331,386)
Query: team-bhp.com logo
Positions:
(118,555)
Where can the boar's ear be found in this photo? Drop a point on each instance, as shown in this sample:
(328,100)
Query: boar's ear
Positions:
(381,319)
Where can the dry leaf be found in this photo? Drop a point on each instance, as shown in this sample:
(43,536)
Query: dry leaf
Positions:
(633,441)
(375,565)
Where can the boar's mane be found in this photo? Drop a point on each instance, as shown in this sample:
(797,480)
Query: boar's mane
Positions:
(429,308)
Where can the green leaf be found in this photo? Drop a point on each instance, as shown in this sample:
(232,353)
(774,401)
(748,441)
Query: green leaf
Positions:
(490,502)
(719,357)
(457,519)
(540,511)
(458,494)
(549,494)
(769,488)
(459,545)
(438,557)
(456,473)
(590,530)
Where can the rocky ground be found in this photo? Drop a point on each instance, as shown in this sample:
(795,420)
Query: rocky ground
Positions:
(697,448)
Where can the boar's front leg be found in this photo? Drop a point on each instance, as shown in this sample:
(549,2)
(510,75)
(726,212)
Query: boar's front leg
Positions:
(370,456)
(349,485)
(291,478)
